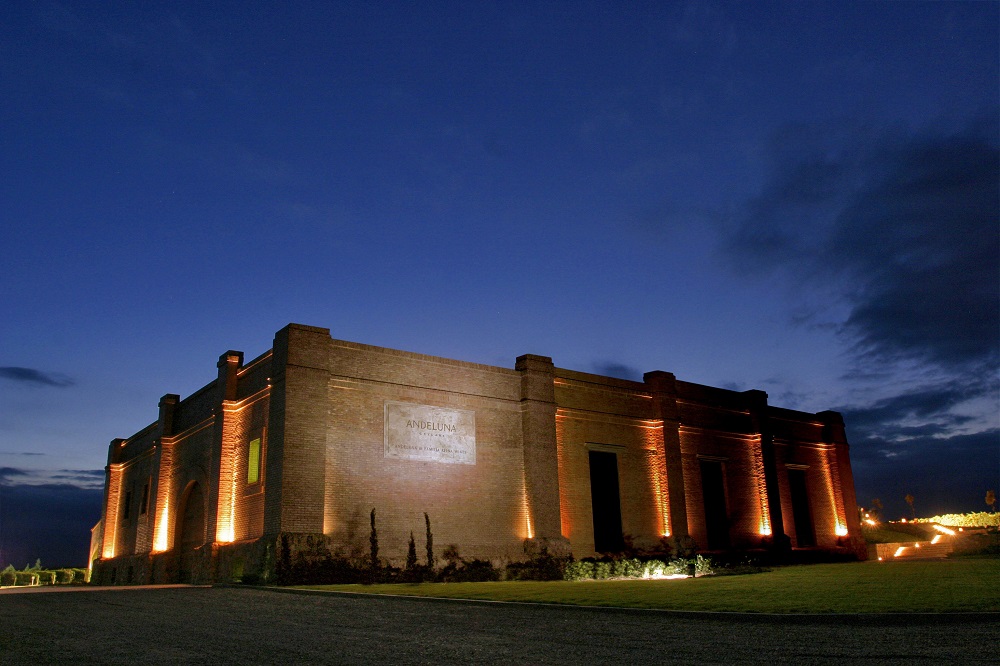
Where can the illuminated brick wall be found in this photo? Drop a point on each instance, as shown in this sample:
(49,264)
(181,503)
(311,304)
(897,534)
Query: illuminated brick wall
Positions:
(317,405)
(240,511)
(481,508)
(605,414)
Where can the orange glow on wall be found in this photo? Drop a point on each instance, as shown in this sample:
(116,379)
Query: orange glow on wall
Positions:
(164,503)
(757,465)
(657,471)
(528,528)
(566,522)
(834,491)
(111,519)
(162,529)
(225,531)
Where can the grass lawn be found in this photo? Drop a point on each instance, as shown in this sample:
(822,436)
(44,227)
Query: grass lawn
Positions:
(968,584)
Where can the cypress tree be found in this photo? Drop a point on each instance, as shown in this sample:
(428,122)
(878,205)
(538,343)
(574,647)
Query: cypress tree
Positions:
(430,542)
(411,554)
(373,541)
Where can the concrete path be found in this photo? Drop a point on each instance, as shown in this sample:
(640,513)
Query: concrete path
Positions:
(170,625)
(46,589)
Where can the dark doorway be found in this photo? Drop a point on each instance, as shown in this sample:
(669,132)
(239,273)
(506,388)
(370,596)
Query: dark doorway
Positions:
(190,531)
(805,533)
(713,490)
(606,501)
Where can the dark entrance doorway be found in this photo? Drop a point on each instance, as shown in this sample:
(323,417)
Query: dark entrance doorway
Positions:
(606,501)
(190,530)
(805,532)
(713,491)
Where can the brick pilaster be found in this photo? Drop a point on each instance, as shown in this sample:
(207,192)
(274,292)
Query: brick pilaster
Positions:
(663,386)
(757,406)
(538,428)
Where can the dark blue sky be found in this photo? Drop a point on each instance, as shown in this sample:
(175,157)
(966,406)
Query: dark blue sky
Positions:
(796,197)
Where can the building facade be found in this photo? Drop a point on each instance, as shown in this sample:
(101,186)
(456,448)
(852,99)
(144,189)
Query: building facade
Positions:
(294,449)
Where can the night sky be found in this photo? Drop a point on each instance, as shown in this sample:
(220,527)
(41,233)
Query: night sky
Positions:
(796,197)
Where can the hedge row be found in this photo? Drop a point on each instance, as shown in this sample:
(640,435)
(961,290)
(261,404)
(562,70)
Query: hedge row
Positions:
(339,570)
(10,577)
(976,519)
(635,568)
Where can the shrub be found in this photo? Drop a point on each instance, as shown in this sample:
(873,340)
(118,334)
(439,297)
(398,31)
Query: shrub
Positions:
(25,578)
(451,555)
(634,568)
(602,570)
(747,564)
(418,574)
(542,567)
(974,519)
(469,571)
(702,566)
(579,570)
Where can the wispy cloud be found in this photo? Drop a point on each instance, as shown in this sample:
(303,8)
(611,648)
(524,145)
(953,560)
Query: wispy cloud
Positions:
(963,468)
(930,406)
(619,370)
(7,473)
(51,522)
(87,479)
(892,239)
(34,376)
(899,229)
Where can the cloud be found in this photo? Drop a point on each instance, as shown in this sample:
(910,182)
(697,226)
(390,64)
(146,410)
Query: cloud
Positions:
(7,473)
(50,522)
(900,230)
(891,238)
(85,479)
(33,376)
(944,475)
(931,405)
(619,370)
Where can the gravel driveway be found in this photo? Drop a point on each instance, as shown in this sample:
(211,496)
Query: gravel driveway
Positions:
(195,625)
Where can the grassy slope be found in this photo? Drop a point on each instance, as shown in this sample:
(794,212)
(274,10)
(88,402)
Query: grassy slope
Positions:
(927,586)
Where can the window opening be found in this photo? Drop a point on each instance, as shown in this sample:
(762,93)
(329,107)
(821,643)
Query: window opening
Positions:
(127,505)
(253,461)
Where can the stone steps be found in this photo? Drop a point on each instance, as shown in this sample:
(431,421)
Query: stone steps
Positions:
(915,550)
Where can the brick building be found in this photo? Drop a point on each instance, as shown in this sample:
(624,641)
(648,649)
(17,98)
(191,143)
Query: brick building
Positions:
(300,444)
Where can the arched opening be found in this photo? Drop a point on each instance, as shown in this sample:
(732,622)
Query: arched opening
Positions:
(190,530)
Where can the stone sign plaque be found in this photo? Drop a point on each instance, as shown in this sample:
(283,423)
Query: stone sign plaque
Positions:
(435,434)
